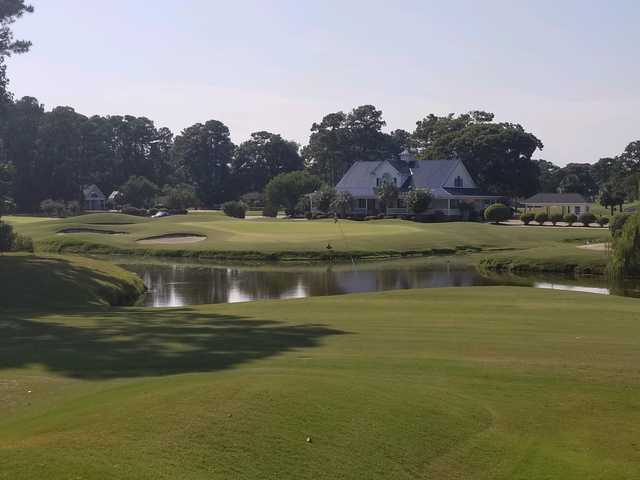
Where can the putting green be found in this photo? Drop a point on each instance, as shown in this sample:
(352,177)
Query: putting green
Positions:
(302,238)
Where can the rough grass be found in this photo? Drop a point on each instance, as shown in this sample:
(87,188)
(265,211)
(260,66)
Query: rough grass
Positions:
(277,239)
(482,383)
(53,281)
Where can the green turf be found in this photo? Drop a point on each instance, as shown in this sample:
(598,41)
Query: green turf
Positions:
(482,383)
(281,239)
(53,281)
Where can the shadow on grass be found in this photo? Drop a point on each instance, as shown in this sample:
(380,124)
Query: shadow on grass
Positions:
(137,342)
(29,281)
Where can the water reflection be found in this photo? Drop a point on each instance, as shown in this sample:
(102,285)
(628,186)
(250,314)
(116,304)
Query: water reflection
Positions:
(176,284)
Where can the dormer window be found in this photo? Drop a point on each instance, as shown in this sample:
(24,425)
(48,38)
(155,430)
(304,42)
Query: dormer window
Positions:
(458,183)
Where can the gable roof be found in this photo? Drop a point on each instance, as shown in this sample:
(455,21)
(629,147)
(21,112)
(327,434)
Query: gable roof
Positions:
(359,180)
(432,173)
(88,192)
(556,198)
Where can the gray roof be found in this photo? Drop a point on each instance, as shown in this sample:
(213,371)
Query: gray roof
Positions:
(92,191)
(556,198)
(431,174)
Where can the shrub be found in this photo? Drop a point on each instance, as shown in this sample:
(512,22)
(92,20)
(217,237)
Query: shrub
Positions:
(7,237)
(234,209)
(435,217)
(625,259)
(387,193)
(602,221)
(53,208)
(497,213)
(270,210)
(22,243)
(541,218)
(130,210)
(179,197)
(342,203)
(419,200)
(324,198)
(555,218)
(286,189)
(308,215)
(73,209)
(570,218)
(527,218)
(253,199)
(617,224)
(587,218)
(139,191)
(303,205)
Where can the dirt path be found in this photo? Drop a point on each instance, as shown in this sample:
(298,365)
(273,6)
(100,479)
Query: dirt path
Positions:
(599,247)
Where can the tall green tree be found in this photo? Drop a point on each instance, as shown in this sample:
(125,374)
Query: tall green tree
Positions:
(10,11)
(6,185)
(60,154)
(577,178)
(340,139)
(548,176)
(286,189)
(139,191)
(21,142)
(612,196)
(498,155)
(205,152)
(261,158)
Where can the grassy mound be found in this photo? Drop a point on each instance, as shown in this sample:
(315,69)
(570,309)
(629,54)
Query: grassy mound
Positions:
(483,383)
(277,239)
(46,282)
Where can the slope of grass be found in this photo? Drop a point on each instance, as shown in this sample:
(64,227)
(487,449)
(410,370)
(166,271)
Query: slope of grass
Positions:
(559,258)
(482,383)
(283,239)
(53,281)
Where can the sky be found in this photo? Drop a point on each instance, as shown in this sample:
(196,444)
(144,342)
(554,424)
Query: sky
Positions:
(567,71)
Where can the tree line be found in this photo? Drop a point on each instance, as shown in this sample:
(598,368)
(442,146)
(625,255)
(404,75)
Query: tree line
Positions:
(52,154)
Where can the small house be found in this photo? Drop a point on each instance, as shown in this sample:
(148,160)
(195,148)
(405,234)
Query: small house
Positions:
(93,198)
(453,188)
(565,202)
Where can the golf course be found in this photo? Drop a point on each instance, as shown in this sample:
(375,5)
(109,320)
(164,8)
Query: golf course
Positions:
(213,235)
(449,383)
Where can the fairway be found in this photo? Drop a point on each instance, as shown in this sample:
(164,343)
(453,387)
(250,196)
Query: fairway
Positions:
(281,239)
(483,383)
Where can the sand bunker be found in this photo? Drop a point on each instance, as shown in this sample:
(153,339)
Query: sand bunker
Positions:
(173,239)
(90,230)
(599,247)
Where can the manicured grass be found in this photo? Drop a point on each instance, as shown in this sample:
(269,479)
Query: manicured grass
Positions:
(282,239)
(53,281)
(559,258)
(482,383)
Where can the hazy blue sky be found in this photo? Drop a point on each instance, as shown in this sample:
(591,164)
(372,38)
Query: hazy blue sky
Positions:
(568,71)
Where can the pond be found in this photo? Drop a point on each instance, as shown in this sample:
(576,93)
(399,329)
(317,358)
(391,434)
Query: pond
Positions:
(175,283)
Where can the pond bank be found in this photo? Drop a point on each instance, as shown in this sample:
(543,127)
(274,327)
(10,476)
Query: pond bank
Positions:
(46,282)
